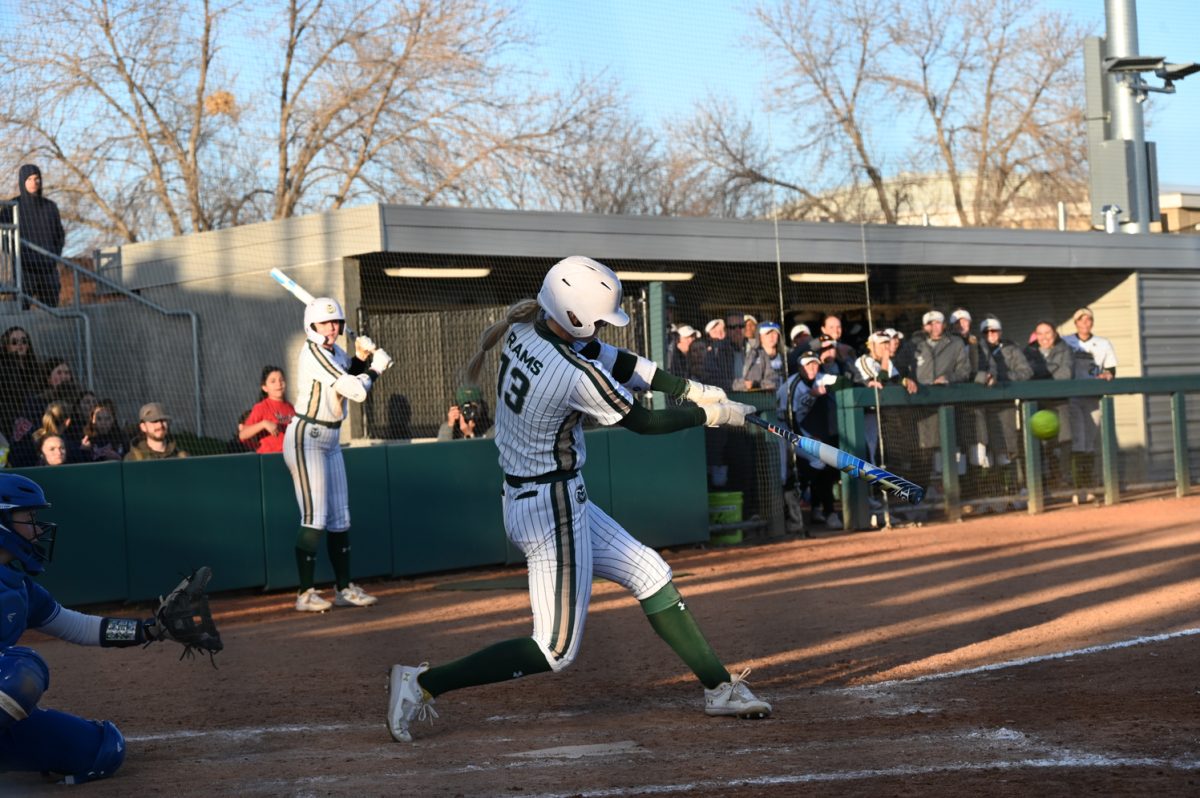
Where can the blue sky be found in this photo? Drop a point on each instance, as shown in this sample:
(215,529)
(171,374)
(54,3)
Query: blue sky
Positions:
(669,53)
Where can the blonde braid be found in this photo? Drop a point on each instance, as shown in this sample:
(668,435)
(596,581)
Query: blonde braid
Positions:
(523,310)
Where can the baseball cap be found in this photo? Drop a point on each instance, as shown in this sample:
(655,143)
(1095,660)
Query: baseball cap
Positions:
(892,332)
(799,328)
(880,337)
(687,331)
(767,326)
(1083,312)
(933,315)
(960,313)
(465,394)
(809,357)
(747,318)
(990,323)
(827,341)
(712,325)
(153,411)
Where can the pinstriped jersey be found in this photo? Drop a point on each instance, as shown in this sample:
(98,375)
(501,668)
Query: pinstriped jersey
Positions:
(544,390)
(319,369)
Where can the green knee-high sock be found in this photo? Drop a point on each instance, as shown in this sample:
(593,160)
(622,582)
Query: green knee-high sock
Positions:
(306,555)
(674,623)
(511,659)
(338,546)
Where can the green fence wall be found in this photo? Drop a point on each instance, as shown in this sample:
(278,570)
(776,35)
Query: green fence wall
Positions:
(127,531)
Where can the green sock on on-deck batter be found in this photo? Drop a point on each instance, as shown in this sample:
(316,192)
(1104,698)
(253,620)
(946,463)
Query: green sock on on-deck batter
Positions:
(306,555)
(498,663)
(674,623)
(338,546)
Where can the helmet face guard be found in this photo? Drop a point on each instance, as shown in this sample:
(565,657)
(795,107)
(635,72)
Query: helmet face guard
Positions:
(579,293)
(21,493)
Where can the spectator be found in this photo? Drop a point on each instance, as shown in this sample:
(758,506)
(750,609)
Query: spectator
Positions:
(960,325)
(941,359)
(41,225)
(684,359)
(85,403)
(52,451)
(806,404)
(102,437)
(718,357)
(1084,411)
(1051,359)
(20,376)
(156,442)
(831,330)
(800,336)
(55,421)
(1000,362)
(735,334)
(875,370)
(468,417)
(263,429)
(59,386)
(764,363)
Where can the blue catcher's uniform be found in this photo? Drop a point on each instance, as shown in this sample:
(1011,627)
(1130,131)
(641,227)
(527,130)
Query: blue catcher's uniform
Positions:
(45,740)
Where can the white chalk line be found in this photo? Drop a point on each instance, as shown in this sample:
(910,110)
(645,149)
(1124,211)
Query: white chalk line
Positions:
(1015,663)
(1072,761)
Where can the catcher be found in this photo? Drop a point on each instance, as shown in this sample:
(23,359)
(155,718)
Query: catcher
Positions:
(70,748)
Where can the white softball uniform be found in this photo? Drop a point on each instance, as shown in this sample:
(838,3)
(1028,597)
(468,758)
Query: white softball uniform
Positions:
(1083,412)
(311,445)
(544,390)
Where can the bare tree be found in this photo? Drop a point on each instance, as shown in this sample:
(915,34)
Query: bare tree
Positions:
(888,98)
(152,123)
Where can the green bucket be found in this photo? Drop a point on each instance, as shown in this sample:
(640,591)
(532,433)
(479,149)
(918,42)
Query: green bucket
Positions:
(725,508)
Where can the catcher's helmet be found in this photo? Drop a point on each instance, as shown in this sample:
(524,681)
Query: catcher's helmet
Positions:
(322,308)
(21,493)
(578,292)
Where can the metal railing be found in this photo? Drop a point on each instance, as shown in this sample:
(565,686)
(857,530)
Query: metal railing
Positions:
(851,404)
(12,242)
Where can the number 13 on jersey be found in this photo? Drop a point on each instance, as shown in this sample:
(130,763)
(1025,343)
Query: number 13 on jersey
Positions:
(518,385)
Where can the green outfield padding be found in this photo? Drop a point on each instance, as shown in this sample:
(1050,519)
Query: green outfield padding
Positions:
(184,513)
(280,521)
(89,507)
(445,506)
(659,486)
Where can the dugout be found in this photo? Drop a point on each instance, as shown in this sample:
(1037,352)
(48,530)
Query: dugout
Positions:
(424,281)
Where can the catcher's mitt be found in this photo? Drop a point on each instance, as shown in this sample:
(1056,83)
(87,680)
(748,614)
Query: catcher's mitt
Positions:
(183,616)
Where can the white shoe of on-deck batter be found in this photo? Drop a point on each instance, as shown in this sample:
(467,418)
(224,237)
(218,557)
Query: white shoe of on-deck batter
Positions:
(734,698)
(407,701)
(310,601)
(353,596)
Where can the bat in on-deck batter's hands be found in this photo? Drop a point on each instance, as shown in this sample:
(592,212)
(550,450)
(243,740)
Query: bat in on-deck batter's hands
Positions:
(296,290)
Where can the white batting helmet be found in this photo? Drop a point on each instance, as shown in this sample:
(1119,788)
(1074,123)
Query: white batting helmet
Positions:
(578,292)
(322,308)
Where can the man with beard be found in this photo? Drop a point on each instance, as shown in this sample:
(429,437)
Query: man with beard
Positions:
(156,442)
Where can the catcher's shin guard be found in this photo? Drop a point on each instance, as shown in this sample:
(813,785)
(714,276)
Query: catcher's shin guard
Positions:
(23,678)
(109,756)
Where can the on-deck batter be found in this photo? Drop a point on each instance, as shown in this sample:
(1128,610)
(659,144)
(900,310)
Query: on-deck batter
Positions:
(327,377)
(553,373)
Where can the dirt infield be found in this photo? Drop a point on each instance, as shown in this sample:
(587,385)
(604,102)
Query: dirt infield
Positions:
(1009,656)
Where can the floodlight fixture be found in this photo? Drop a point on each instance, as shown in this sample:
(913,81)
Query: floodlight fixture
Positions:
(654,277)
(1134,63)
(1170,72)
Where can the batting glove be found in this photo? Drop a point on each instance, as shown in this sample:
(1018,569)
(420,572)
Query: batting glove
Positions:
(365,344)
(703,394)
(727,414)
(380,361)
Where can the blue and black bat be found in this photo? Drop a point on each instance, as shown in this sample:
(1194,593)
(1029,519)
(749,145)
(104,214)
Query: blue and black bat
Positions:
(845,462)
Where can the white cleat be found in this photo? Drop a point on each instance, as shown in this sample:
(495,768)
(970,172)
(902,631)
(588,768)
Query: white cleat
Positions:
(734,698)
(310,601)
(353,596)
(407,701)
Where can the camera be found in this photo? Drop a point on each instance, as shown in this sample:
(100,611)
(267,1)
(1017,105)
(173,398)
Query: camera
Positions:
(469,410)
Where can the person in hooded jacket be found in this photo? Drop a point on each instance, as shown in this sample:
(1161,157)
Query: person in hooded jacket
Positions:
(39,223)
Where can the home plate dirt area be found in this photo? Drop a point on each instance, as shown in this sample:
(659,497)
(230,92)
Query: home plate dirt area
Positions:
(1008,655)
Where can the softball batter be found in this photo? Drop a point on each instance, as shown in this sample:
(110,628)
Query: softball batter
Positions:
(553,372)
(327,377)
